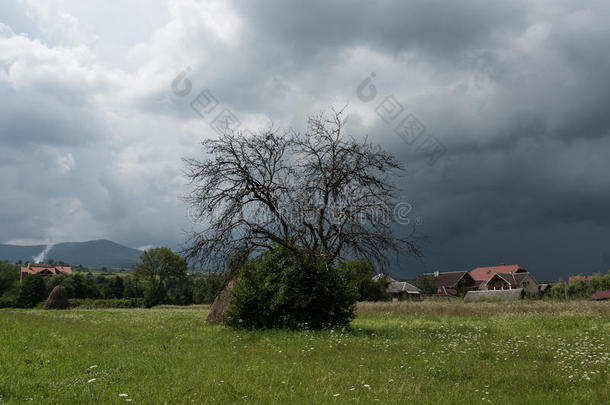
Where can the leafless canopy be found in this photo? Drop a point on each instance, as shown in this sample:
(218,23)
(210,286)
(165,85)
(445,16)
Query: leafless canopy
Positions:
(316,192)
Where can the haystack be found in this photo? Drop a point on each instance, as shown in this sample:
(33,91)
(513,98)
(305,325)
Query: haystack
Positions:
(220,306)
(58,299)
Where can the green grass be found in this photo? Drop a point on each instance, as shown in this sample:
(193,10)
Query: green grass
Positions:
(169,355)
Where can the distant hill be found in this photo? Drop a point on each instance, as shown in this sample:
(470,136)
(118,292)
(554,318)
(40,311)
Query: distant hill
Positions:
(95,253)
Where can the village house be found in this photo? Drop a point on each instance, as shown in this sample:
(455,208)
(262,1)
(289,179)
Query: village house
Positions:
(399,290)
(44,270)
(511,281)
(451,283)
(402,290)
(481,275)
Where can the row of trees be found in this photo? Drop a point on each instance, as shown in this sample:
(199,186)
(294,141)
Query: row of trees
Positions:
(581,289)
(159,279)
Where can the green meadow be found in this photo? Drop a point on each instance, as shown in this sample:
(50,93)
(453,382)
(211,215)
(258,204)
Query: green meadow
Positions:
(393,353)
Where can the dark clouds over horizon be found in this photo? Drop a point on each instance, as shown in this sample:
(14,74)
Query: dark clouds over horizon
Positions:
(91,134)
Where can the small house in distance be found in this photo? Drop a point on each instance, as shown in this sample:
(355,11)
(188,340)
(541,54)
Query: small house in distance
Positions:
(44,270)
(399,290)
(545,288)
(451,282)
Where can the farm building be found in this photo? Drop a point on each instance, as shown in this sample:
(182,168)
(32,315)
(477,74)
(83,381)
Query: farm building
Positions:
(494,295)
(453,280)
(483,274)
(509,281)
(601,295)
(44,270)
(401,290)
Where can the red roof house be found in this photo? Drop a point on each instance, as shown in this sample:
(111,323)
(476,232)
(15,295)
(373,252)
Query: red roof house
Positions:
(485,273)
(44,269)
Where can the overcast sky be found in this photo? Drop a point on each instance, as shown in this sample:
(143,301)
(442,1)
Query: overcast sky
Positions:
(513,165)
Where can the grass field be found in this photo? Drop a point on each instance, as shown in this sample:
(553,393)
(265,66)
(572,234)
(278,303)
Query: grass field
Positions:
(395,353)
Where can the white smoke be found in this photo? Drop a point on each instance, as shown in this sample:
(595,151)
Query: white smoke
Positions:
(42,256)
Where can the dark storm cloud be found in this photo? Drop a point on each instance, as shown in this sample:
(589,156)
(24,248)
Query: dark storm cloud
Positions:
(439,27)
(524,178)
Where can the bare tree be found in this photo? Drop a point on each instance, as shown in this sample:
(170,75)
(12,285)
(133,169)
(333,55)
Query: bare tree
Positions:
(317,192)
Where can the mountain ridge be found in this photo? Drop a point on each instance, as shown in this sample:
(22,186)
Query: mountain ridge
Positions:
(93,253)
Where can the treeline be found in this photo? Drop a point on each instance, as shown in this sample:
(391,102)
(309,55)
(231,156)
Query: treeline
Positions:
(580,288)
(160,278)
(177,289)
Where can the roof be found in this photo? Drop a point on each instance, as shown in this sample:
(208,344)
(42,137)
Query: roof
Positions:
(601,295)
(396,287)
(39,268)
(494,295)
(514,279)
(586,279)
(380,276)
(448,292)
(485,273)
(448,279)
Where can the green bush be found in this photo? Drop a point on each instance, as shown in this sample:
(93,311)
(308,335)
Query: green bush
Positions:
(206,287)
(360,273)
(154,294)
(8,301)
(284,290)
(580,289)
(426,284)
(32,291)
(9,277)
(109,303)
